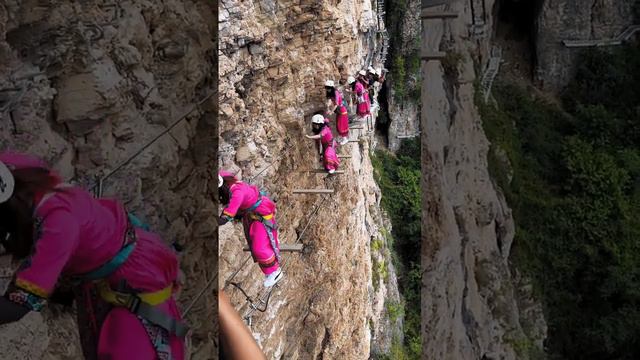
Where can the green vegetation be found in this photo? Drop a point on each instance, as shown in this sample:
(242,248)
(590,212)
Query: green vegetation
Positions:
(394,310)
(399,179)
(405,63)
(572,177)
(525,348)
(398,71)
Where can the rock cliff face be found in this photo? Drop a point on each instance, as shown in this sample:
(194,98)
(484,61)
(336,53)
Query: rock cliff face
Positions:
(87,84)
(405,113)
(574,20)
(473,304)
(274,59)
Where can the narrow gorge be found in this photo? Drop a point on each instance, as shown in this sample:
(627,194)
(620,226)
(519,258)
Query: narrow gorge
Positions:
(504,272)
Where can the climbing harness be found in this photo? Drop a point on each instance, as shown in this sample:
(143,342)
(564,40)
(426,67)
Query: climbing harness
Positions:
(144,305)
(258,202)
(110,266)
(270,227)
(137,222)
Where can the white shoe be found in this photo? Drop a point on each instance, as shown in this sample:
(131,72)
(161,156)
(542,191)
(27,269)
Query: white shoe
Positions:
(273,278)
(332,171)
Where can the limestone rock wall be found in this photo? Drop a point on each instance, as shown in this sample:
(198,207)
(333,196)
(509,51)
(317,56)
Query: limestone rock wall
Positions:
(574,20)
(87,84)
(274,59)
(474,306)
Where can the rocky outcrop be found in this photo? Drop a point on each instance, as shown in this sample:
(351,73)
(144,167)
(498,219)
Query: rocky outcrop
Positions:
(561,20)
(473,304)
(274,59)
(87,84)
(405,120)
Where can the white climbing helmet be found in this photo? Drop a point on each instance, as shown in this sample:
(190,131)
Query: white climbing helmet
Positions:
(329,83)
(220,181)
(351,80)
(362,72)
(7,183)
(317,119)
(371,69)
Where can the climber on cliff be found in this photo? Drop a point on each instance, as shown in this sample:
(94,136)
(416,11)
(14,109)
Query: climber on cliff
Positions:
(326,143)
(362,98)
(371,77)
(363,78)
(257,212)
(380,75)
(123,278)
(337,104)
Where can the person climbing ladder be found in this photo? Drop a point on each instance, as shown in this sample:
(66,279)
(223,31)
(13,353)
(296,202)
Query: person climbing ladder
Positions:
(326,143)
(257,212)
(124,278)
(337,104)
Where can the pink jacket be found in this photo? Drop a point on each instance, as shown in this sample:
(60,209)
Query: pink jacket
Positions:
(326,137)
(243,197)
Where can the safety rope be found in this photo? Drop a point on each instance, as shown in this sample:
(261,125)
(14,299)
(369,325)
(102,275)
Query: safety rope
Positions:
(137,153)
(195,300)
(250,301)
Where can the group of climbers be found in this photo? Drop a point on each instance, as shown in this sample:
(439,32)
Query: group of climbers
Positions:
(245,202)
(122,277)
(362,87)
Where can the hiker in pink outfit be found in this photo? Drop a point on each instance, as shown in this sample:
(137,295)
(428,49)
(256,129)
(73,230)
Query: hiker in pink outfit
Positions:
(337,105)
(323,134)
(362,79)
(257,211)
(362,97)
(63,232)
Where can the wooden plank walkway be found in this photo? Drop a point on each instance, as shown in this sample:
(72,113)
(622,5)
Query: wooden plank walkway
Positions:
(313,191)
(618,40)
(432,55)
(323,171)
(430,14)
(284,248)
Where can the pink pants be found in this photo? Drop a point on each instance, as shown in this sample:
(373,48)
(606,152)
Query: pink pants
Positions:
(342,122)
(261,248)
(364,108)
(330,159)
(123,337)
